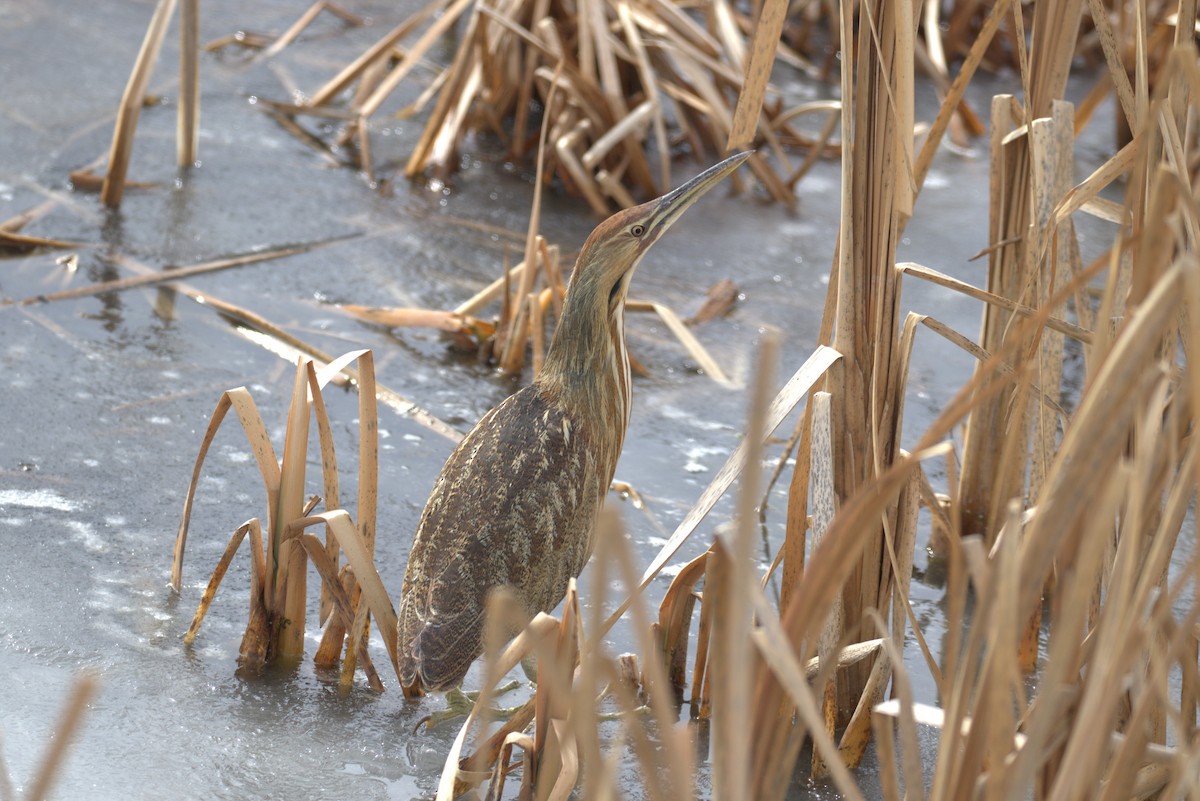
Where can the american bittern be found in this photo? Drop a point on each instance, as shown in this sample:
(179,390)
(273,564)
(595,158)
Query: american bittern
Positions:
(516,502)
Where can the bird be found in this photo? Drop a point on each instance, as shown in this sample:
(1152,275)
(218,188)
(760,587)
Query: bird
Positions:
(516,503)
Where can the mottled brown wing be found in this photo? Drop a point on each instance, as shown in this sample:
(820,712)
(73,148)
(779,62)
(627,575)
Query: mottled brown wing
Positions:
(515,505)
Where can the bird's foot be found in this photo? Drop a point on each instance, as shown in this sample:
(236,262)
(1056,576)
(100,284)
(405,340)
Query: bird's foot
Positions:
(459,704)
(610,716)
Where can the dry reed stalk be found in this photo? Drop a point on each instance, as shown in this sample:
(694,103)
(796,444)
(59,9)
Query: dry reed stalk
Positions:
(306,19)
(188,120)
(131,105)
(174,274)
(775,752)
(822,503)
(758,73)
(877,189)
(1017,271)
(675,621)
(23,243)
(467,331)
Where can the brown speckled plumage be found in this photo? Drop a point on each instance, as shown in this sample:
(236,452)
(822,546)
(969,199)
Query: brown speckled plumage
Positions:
(516,502)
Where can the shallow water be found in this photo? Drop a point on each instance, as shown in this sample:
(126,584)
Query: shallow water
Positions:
(105,398)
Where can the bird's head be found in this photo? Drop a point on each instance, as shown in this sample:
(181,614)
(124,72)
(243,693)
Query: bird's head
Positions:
(591,332)
(611,254)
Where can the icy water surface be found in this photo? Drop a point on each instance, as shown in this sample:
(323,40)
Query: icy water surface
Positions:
(104,399)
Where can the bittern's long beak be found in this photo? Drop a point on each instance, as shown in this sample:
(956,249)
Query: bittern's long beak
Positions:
(671,206)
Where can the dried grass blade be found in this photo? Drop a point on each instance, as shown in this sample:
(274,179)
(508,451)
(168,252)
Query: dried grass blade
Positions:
(941,279)
(1097,431)
(675,618)
(333,638)
(1120,163)
(170,275)
(360,560)
(1116,67)
(787,398)
(629,126)
(510,357)
(131,105)
(489,751)
(297,27)
(368,453)
(489,293)
(358,632)
(286,577)
(414,56)
(210,592)
(832,560)
(256,640)
(17,222)
(452,322)
(676,762)
(564,783)
(852,654)
(685,337)
(758,72)
(702,678)
(733,617)
(822,507)
(260,444)
(957,90)
(340,599)
(650,84)
(379,50)
(10,240)
(329,478)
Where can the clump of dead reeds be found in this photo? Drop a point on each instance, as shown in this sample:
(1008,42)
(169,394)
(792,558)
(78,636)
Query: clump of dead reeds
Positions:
(613,81)
(279,561)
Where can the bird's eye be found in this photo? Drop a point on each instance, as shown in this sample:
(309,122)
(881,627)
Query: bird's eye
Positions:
(638,230)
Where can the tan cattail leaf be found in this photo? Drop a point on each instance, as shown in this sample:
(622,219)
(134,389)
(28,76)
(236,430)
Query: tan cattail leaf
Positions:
(784,402)
(210,592)
(685,337)
(260,444)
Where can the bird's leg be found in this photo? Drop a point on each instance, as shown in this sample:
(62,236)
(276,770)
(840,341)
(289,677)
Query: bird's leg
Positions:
(529,667)
(629,491)
(609,716)
(459,704)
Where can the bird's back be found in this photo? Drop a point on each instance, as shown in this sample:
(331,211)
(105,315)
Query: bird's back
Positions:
(515,505)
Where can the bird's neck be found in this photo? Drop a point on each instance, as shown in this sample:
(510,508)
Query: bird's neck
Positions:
(587,368)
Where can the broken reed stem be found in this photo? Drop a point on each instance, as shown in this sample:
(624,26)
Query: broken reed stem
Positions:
(173,274)
(131,105)
(188,121)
